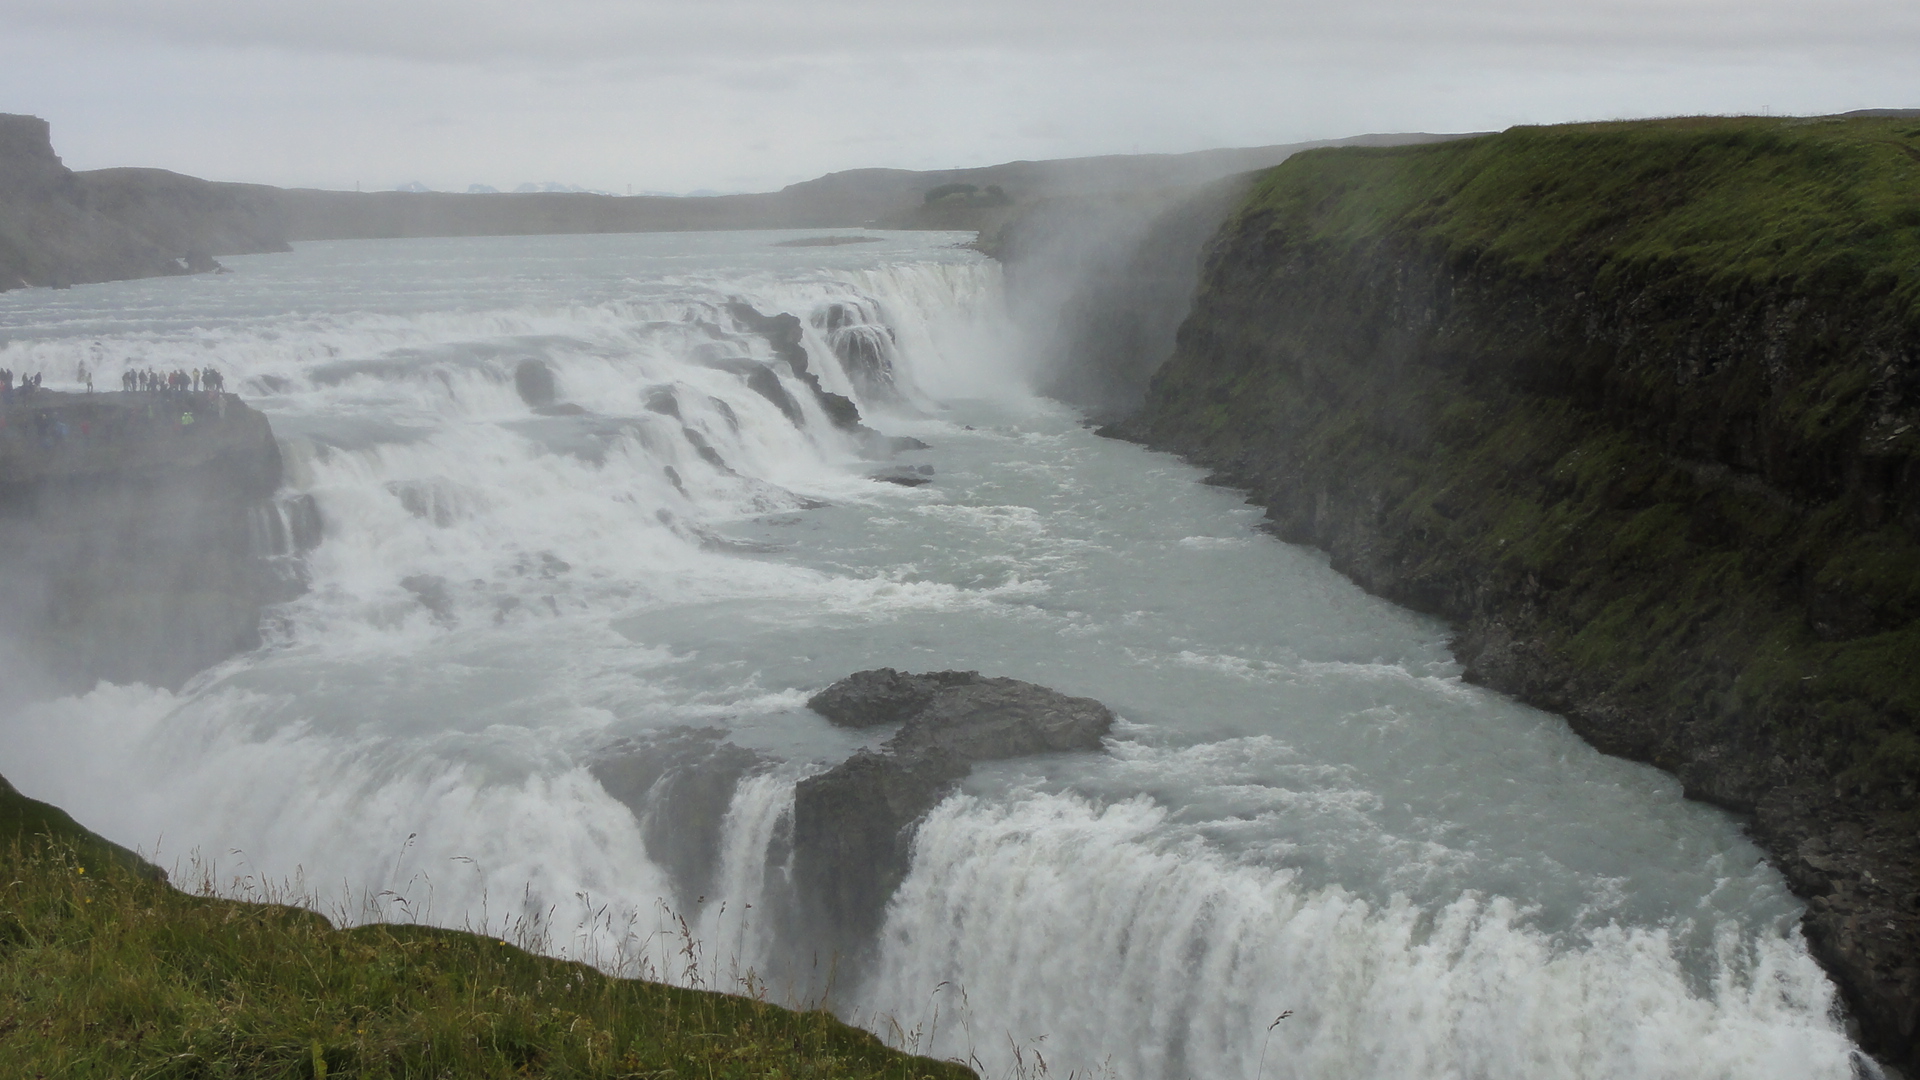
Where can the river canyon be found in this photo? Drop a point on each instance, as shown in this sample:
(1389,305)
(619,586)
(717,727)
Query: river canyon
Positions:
(578,533)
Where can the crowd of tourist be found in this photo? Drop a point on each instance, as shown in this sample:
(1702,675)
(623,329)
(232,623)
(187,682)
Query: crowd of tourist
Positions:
(177,381)
(176,400)
(206,380)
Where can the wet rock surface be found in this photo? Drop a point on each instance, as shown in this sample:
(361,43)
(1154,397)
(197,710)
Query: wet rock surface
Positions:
(533,380)
(882,696)
(853,824)
(679,784)
(853,842)
(1856,869)
(783,331)
(990,719)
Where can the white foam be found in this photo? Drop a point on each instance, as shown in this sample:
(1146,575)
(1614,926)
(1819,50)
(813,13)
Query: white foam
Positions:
(1075,931)
(1214,543)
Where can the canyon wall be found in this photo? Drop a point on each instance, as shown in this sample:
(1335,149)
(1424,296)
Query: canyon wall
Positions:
(1637,407)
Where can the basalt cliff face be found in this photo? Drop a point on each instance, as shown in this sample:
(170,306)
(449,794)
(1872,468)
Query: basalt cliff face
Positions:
(1637,406)
(135,545)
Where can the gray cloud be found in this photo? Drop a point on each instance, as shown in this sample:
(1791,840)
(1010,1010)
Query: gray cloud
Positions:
(751,94)
(576,30)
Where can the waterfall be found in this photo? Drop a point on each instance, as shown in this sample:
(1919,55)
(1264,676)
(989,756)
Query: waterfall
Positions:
(573,539)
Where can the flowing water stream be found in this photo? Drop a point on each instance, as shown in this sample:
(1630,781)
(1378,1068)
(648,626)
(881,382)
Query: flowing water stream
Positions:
(1302,807)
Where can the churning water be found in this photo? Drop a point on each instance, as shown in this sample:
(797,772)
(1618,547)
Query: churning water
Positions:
(1303,807)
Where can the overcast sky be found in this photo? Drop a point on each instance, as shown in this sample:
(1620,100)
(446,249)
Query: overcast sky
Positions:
(753,94)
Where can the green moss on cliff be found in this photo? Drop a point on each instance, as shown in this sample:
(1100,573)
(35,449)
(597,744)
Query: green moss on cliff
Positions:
(1825,203)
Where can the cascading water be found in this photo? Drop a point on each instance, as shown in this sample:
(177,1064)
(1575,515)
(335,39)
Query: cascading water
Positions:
(549,670)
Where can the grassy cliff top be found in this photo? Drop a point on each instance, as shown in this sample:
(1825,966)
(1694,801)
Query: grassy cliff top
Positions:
(106,972)
(1831,202)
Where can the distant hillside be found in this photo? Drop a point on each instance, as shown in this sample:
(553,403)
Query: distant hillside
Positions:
(59,227)
(884,198)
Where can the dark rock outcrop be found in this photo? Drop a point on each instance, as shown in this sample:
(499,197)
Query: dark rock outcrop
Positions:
(853,843)
(864,345)
(766,382)
(680,785)
(906,475)
(883,696)
(853,824)
(783,331)
(991,719)
(133,546)
(533,380)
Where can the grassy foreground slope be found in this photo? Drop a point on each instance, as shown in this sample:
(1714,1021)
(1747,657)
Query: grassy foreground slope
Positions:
(1637,405)
(106,972)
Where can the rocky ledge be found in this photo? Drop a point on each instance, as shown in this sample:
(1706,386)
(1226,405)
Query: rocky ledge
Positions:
(853,824)
(137,535)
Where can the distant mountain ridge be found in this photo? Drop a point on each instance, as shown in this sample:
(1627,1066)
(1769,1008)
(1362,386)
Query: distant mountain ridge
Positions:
(59,227)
